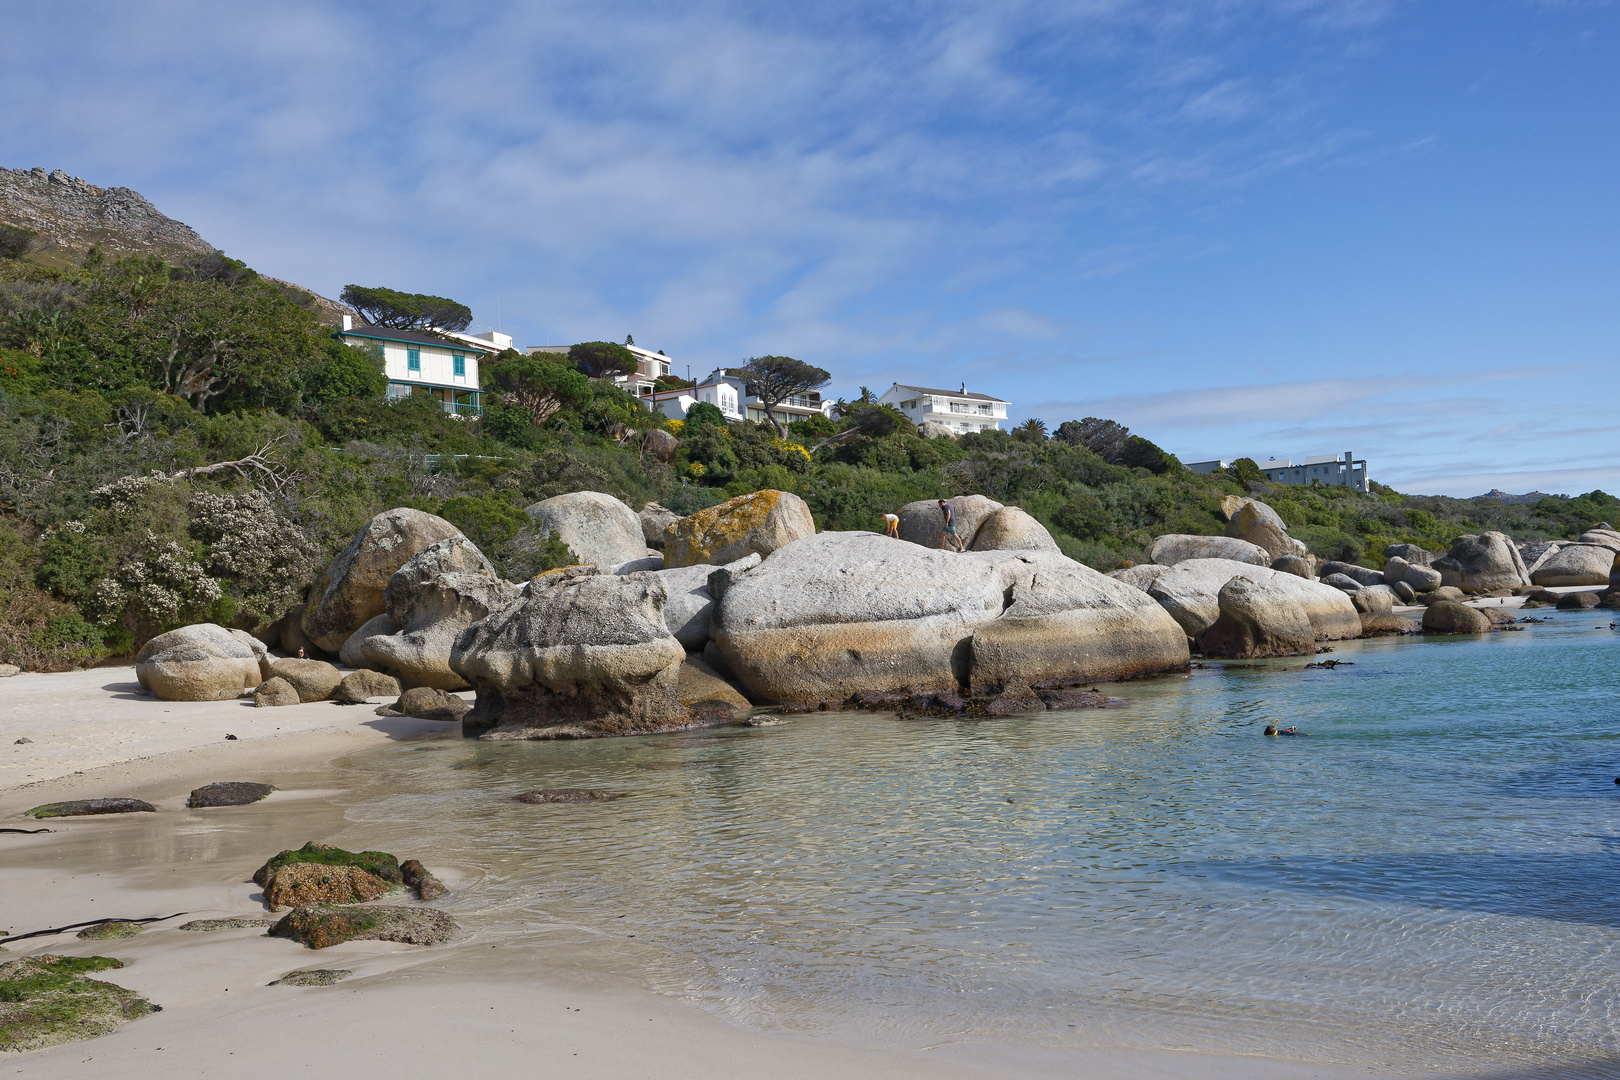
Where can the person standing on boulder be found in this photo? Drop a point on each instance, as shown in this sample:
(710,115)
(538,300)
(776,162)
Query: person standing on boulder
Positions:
(891,525)
(947,532)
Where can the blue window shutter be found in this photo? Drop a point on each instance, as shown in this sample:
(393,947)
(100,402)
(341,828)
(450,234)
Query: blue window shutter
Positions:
(413,359)
(461,364)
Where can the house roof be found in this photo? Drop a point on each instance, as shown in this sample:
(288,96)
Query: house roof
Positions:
(412,337)
(952,393)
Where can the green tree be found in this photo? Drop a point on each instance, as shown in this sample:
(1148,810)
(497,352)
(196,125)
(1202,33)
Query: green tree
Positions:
(602,359)
(774,379)
(346,371)
(406,311)
(540,386)
(1031,430)
(1245,471)
(701,415)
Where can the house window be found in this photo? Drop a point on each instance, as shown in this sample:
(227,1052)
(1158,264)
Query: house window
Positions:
(460,365)
(413,360)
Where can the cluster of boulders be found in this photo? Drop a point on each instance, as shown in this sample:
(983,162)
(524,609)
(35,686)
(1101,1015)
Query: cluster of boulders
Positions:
(671,622)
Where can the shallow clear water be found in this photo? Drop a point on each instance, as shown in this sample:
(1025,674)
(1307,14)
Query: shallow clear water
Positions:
(1427,880)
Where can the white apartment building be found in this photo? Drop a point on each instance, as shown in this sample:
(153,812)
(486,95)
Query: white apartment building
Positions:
(958,410)
(1336,470)
(432,365)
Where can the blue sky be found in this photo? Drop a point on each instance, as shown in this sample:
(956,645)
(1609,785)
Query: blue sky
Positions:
(1238,226)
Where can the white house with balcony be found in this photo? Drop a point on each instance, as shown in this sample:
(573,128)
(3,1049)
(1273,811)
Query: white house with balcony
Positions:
(650,367)
(958,410)
(421,364)
(675,404)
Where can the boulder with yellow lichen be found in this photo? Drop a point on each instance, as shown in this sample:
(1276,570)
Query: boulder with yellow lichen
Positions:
(757,523)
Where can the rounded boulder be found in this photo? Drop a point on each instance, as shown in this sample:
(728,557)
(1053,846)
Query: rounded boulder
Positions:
(596,527)
(1011,529)
(350,592)
(758,523)
(202,662)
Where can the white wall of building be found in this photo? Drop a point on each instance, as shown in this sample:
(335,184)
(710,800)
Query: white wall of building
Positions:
(959,413)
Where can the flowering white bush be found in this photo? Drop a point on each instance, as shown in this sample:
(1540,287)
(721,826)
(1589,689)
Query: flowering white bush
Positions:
(156,589)
(270,557)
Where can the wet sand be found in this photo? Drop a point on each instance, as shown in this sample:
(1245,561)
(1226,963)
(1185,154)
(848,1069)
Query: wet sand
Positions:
(552,1002)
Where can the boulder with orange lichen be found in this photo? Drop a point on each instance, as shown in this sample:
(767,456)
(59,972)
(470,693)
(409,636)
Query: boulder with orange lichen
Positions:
(757,523)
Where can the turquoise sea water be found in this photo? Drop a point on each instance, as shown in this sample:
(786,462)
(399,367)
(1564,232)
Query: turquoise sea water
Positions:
(1428,880)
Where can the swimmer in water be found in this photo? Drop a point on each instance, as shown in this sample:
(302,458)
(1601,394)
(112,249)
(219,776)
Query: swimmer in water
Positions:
(1291,731)
(1271,729)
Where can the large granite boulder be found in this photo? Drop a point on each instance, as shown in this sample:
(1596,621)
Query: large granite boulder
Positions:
(1299,565)
(1140,576)
(1450,617)
(275,692)
(921,522)
(596,527)
(1535,552)
(1422,578)
(1489,562)
(361,685)
(201,662)
(928,429)
(350,592)
(1190,592)
(1257,619)
(313,679)
(353,652)
(579,653)
(452,555)
(1412,553)
(1011,529)
(1343,582)
(656,520)
(1374,599)
(1174,548)
(261,651)
(661,445)
(1361,575)
(749,524)
(689,605)
(1395,569)
(1601,535)
(841,613)
(1261,526)
(437,611)
(1575,564)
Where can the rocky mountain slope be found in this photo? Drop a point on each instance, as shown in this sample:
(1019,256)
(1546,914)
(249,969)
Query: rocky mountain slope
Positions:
(70,215)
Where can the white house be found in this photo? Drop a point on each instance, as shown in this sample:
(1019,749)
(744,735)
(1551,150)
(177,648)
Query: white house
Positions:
(491,341)
(1337,471)
(958,410)
(675,404)
(727,390)
(650,366)
(431,365)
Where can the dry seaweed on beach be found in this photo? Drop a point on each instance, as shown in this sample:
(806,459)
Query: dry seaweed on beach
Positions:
(46,1000)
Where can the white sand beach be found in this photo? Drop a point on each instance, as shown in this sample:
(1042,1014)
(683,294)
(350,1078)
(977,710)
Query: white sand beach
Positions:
(479,1003)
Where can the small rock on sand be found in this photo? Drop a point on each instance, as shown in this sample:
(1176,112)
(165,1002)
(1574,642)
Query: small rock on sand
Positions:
(89,807)
(228,793)
(418,877)
(299,884)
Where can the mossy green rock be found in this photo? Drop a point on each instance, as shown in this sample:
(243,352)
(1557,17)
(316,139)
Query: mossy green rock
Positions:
(111,930)
(320,926)
(314,977)
(46,1000)
(380,863)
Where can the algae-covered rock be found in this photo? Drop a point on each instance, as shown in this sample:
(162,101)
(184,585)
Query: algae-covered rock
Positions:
(419,878)
(228,793)
(298,884)
(92,807)
(566,795)
(759,523)
(379,863)
(314,977)
(323,927)
(47,1000)
(111,930)
(207,925)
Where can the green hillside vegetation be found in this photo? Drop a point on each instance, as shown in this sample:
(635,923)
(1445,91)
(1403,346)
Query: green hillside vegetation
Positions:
(185,443)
